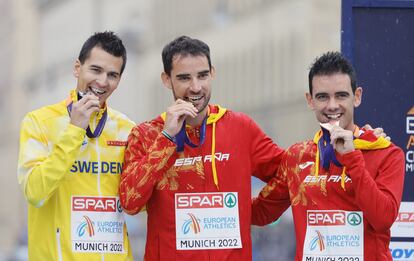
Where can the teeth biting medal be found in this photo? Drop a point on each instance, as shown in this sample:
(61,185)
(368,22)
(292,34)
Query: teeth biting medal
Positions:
(329,125)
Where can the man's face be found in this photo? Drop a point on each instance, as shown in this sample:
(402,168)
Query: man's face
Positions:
(99,74)
(190,80)
(332,99)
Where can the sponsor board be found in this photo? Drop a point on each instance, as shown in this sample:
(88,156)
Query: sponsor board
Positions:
(97,225)
(402,251)
(404,224)
(334,235)
(207,221)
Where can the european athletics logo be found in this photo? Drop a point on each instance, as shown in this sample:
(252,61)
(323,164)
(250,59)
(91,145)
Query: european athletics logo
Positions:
(317,240)
(86,225)
(193,223)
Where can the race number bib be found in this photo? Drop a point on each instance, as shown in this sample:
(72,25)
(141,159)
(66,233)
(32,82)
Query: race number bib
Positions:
(334,235)
(97,225)
(207,221)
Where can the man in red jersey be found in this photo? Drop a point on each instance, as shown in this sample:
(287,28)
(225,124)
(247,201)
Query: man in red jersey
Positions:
(191,166)
(345,185)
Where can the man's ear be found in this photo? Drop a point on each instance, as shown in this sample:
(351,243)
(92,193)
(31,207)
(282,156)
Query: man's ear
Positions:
(76,68)
(357,96)
(166,80)
(309,100)
(213,72)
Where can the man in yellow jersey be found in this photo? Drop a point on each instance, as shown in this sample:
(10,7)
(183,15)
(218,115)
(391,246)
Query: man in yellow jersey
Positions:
(70,160)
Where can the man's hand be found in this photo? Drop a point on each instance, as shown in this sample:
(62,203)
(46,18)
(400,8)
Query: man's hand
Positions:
(83,109)
(378,132)
(176,114)
(342,140)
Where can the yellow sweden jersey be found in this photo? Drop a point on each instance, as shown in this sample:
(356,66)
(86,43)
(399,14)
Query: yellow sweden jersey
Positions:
(71,184)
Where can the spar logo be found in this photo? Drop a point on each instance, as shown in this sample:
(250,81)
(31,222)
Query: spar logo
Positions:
(86,226)
(96,204)
(205,200)
(326,218)
(193,223)
(333,218)
(202,200)
(405,217)
(354,219)
(230,200)
(317,241)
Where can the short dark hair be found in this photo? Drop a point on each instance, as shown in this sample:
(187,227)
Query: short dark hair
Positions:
(109,42)
(183,45)
(331,63)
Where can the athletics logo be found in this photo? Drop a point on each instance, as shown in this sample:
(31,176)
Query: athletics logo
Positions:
(230,200)
(354,219)
(86,225)
(317,241)
(193,223)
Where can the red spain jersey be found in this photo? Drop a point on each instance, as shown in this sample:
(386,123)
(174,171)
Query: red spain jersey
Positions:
(373,187)
(154,173)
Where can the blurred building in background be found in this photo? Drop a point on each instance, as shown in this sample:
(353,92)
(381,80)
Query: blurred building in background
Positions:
(261,50)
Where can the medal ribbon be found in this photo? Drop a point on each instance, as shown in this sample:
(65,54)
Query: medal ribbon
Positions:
(99,127)
(327,153)
(182,138)
(363,140)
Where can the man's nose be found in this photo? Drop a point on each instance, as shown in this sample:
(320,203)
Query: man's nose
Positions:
(332,104)
(195,85)
(102,79)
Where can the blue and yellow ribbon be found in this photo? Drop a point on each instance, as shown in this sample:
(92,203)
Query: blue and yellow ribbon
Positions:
(325,154)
